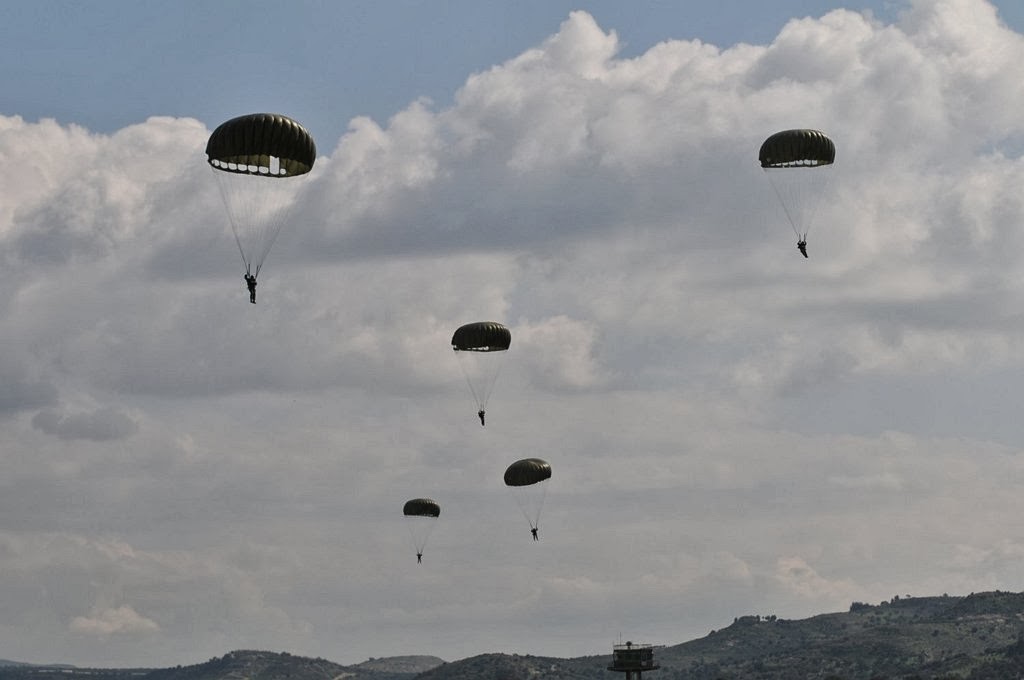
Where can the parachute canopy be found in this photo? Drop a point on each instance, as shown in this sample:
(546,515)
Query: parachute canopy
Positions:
(421,507)
(799,165)
(480,348)
(797,148)
(525,479)
(254,159)
(481,336)
(420,516)
(527,471)
(262,144)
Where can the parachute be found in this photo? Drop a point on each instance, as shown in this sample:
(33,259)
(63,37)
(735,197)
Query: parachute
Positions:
(526,479)
(480,349)
(420,515)
(254,159)
(798,164)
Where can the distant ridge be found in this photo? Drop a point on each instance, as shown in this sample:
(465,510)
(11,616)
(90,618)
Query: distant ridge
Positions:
(975,637)
(256,665)
(239,665)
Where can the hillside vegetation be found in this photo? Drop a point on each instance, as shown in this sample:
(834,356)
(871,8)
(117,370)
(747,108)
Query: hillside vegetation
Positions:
(976,637)
(253,665)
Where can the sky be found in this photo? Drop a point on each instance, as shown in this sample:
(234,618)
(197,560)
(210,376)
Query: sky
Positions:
(732,429)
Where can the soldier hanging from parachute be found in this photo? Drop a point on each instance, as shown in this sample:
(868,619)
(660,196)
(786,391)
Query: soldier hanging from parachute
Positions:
(253,158)
(527,478)
(798,164)
(420,515)
(480,348)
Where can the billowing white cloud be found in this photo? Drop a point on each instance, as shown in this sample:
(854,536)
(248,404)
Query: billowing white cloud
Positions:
(113,621)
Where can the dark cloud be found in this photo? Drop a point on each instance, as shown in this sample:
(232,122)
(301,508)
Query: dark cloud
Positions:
(103,424)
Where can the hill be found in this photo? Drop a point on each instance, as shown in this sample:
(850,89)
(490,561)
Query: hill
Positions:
(400,664)
(926,637)
(976,637)
(516,667)
(254,665)
(239,665)
(980,636)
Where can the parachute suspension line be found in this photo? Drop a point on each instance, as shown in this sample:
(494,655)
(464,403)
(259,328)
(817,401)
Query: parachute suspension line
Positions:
(481,370)
(483,407)
(419,530)
(222,186)
(258,208)
(491,382)
(531,501)
(472,388)
(784,202)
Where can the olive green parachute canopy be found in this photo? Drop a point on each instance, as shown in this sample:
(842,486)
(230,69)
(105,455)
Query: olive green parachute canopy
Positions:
(797,148)
(245,154)
(420,516)
(526,480)
(482,336)
(421,507)
(527,471)
(480,348)
(262,144)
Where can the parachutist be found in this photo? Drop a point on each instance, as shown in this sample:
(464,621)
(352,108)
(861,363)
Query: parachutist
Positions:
(254,159)
(794,161)
(250,281)
(527,476)
(480,348)
(420,514)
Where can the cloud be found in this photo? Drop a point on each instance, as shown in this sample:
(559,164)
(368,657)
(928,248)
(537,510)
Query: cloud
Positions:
(796,574)
(23,392)
(560,352)
(102,424)
(122,620)
(93,192)
(629,153)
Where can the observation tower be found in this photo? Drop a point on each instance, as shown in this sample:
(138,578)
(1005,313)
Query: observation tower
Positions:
(633,659)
